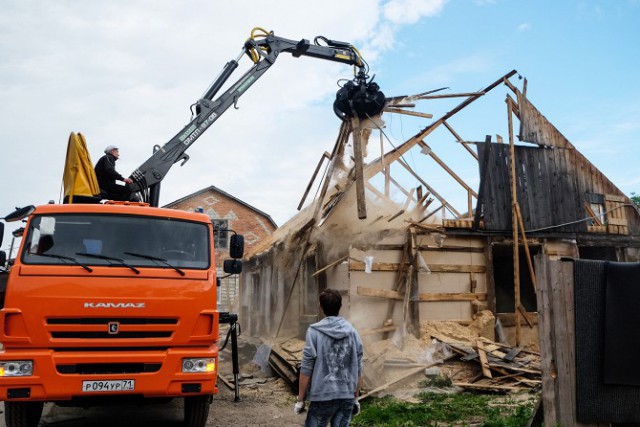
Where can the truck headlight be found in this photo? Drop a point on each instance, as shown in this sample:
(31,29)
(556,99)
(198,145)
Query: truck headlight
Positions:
(16,368)
(199,365)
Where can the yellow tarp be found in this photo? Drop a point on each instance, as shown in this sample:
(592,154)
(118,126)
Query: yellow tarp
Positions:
(79,176)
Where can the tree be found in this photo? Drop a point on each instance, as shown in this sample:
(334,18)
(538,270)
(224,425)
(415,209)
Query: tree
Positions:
(635,198)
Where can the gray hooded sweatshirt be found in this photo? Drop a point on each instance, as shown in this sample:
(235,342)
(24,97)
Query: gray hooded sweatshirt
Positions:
(332,357)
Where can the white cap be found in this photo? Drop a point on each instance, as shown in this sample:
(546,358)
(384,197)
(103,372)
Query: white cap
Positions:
(110,148)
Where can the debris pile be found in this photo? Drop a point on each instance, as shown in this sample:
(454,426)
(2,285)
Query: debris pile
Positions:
(503,368)
(470,362)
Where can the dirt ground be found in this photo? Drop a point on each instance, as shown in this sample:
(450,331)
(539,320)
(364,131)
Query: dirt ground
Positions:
(269,405)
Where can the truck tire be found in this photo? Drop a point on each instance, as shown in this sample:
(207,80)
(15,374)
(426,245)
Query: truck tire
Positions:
(196,410)
(22,414)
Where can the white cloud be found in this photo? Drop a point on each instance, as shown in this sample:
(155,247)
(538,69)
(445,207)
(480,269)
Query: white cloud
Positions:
(411,11)
(525,26)
(126,72)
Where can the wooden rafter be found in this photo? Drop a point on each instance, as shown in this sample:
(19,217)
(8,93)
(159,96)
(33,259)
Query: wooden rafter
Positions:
(460,140)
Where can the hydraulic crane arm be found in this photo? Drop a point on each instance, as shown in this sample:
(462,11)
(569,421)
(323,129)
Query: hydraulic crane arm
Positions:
(263,50)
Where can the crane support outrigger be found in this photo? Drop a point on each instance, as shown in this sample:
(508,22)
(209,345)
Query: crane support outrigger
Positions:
(360,96)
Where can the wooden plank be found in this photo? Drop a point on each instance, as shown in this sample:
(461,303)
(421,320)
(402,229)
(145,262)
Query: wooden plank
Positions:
(225,382)
(564,359)
(592,214)
(489,387)
(618,221)
(337,152)
(597,228)
(443,248)
(512,354)
(460,140)
(334,263)
(427,297)
(615,198)
(483,359)
(408,113)
(407,375)
(313,178)
(355,265)
(444,166)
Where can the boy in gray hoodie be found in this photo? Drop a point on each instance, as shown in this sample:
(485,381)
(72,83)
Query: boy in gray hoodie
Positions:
(331,367)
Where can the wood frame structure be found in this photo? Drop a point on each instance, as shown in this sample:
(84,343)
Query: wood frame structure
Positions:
(433,257)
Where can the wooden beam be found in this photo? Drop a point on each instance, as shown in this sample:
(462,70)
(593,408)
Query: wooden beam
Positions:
(428,187)
(430,297)
(523,311)
(375,191)
(334,263)
(532,272)
(355,265)
(490,387)
(514,221)
(444,166)
(395,154)
(326,155)
(408,113)
(449,95)
(409,200)
(593,215)
(486,371)
(338,149)
(400,187)
(443,248)
(461,141)
(399,279)
(358,167)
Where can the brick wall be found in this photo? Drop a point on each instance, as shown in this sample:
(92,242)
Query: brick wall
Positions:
(254,226)
(244,220)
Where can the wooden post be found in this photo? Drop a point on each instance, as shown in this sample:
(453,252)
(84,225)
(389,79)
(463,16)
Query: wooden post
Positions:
(414,291)
(514,224)
(556,326)
(526,248)
(358,167)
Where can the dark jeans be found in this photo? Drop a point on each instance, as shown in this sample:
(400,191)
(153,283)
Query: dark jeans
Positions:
(338,411)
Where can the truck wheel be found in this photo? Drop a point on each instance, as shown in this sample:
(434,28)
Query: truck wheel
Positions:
(22,414)
(196,410)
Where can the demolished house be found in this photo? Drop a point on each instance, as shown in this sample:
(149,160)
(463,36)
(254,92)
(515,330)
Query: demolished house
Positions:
(405,257)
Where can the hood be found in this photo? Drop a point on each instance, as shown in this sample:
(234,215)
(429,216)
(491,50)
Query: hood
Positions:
(333,326)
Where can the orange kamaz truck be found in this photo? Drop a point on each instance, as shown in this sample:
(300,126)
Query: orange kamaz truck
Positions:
(109,302)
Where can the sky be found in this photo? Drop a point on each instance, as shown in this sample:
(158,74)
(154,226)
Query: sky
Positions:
(126,72)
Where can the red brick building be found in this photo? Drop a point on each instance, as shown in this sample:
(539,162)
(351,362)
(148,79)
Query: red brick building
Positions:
(228,213)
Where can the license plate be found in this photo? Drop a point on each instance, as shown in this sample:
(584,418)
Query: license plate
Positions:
(110,385)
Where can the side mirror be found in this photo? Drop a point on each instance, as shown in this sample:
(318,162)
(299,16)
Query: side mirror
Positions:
(20,213)
(3,258)
(236,246)
(232,266)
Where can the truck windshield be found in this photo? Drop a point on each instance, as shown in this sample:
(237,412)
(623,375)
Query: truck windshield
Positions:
(164,242)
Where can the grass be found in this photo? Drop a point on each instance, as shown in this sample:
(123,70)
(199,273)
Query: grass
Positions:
(464,409)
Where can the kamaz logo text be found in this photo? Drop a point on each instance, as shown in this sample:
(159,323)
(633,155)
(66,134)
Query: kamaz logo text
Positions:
(114,305)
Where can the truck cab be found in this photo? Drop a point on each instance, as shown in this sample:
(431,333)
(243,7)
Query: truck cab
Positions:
(108,302)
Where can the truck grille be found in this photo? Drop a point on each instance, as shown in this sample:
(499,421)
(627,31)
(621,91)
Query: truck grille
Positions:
(108,368)
(110,328)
